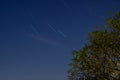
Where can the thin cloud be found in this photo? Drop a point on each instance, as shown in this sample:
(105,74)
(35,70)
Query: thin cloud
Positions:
(46,40)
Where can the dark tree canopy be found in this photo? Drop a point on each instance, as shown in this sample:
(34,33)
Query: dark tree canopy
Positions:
(100,58)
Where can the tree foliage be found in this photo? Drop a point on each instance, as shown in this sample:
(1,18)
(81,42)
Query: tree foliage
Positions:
(100,58)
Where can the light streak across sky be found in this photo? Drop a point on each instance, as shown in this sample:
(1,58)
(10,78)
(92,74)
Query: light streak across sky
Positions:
(35,30)
(53,29)
(47,40)
(57,31)
(37,36)
(60,32)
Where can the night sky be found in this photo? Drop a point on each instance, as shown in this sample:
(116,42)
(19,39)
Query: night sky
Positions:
(37,37)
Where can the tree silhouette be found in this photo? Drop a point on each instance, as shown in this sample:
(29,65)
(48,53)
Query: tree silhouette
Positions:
(100,58)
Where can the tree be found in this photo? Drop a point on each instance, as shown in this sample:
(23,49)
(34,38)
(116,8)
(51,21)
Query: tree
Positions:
(100,58)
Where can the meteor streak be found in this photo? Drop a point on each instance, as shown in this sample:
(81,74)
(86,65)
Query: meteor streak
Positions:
(57,31)
(34,29)
(53,29)
(60,32)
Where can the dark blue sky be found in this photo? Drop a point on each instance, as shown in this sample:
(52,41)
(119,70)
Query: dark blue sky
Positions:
(37,37)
